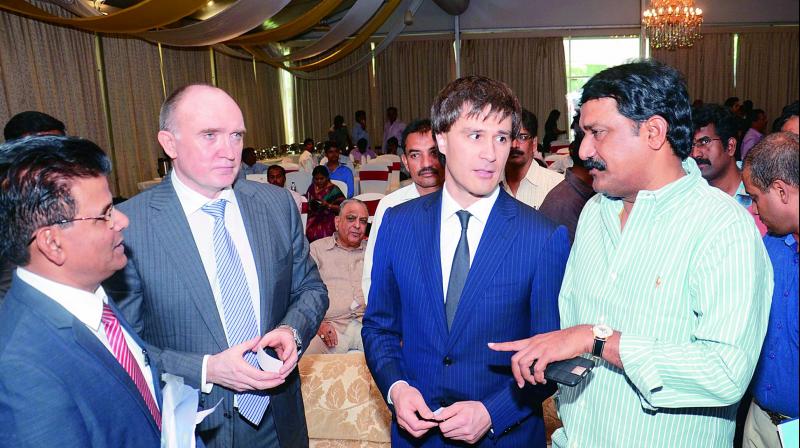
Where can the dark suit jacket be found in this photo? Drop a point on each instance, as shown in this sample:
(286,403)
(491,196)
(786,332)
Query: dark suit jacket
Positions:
(165,294)
(511,293)
(59,386)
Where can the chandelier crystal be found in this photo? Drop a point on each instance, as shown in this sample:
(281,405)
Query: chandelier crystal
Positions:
(672,24)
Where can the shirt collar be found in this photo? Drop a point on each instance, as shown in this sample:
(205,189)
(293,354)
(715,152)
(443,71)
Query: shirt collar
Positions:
(531,176)
(332,243)
(480,210)
(85,306)
(191,201)
(789,240)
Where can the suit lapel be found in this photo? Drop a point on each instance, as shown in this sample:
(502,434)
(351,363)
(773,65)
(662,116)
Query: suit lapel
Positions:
(498,235)
(430,256)
(173,232)
(258,226)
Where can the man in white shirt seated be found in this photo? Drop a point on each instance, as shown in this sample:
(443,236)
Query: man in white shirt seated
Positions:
(73,372)
(524,178)
(276,175)
(422,159)
(340,260)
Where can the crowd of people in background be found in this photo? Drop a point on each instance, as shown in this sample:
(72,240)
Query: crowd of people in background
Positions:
(663,246)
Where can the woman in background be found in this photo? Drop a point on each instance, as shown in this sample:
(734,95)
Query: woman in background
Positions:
(551,131)
(323,205)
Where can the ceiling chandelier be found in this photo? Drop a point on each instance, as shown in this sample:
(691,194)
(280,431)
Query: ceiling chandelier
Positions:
(672,24)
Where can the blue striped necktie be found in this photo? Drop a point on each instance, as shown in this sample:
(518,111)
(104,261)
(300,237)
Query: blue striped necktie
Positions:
(240,319)
(458,271)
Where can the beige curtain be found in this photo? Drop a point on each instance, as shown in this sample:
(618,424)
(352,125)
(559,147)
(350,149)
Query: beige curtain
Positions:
(51,69)
(767,69)
(257,91)
(184,66)
(534,68)
(316,102)
(707,66)
(409,74)
(135,95)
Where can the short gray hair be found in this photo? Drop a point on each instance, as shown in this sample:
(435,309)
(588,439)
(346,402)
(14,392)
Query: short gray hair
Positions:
(352,201)
(774,157)
(168,107)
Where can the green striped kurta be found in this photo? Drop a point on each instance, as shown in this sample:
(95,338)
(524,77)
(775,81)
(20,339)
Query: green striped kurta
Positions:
(688,284)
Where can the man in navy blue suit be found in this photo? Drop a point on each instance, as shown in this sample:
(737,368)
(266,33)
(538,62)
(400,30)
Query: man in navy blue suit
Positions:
(72,372)
(455,270)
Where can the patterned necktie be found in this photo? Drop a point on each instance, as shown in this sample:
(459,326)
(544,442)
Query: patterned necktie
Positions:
(123,354)
(458,271)
(239,317)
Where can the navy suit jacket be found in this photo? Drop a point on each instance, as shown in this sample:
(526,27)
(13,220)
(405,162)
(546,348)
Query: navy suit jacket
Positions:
(60,386)
(166,295)
(511,293)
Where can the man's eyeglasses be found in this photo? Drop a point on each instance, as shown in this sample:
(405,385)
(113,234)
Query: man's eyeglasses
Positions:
(702,142)
(524,137)
(108,217)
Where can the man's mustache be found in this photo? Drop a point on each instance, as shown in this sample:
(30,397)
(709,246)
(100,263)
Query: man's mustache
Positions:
(596,164)
(427,170)
(516,152)
(700,161)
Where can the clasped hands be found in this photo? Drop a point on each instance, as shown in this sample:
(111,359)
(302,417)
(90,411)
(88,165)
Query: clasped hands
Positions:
(327,332)
(467,421)
(229,369)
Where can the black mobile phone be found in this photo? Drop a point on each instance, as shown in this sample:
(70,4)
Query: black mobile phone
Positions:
(568,372)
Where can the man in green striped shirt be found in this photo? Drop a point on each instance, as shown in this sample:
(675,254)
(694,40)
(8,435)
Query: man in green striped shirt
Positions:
(668,283)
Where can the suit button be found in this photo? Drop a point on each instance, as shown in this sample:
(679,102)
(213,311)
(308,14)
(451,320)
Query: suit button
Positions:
(447,360)
(443,403)
(227,414)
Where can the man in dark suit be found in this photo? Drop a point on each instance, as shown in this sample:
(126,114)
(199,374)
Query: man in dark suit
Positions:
(72,372)
(455,270)
(217,270)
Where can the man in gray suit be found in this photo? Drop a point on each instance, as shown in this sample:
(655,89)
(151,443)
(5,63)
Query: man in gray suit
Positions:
(217,270)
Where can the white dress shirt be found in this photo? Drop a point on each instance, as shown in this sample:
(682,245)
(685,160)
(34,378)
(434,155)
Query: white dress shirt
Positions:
(88,308)
(306,162)
(202,227)
(395,198)
(450,230)
(533,188)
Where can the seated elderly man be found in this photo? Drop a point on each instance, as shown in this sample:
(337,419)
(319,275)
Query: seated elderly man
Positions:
(340,259)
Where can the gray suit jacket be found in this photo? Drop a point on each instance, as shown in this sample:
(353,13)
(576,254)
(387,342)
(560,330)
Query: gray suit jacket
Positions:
(166,296)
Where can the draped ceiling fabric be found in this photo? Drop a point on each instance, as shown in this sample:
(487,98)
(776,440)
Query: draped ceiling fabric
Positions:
(534,68)
(767,69)
(408,79)
(231,22)
(356,16)
(707,66)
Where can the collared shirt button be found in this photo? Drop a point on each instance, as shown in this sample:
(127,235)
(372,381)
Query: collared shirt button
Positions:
(786,293)
(771,355)
(769,386)
(447,360)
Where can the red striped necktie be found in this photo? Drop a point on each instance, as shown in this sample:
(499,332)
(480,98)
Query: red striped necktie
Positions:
(123,354)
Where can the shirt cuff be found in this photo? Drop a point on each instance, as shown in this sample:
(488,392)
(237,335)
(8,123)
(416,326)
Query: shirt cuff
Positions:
(637,355)
(389,394)
(204,386)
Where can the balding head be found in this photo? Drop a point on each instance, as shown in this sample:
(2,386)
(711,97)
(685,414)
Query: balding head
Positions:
(202,131)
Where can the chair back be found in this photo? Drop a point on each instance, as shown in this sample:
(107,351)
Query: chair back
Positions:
(342,186)
(301,179)
(258,178)
(304,212)
(374,178)
(290,167)
(371,200)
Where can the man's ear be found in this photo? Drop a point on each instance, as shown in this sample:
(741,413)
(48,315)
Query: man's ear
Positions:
(441,143)
(782,188)
(655,129)
(48,242)
(167,141)
(730,148)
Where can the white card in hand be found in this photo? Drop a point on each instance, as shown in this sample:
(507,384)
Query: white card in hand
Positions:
(268,363)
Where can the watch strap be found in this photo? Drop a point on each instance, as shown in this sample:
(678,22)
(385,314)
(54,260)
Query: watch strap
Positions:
(597,348)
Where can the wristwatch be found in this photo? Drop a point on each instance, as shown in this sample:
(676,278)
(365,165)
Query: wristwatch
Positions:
(297,339)
(601,333)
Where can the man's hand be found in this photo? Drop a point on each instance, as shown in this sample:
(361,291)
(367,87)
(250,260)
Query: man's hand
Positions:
(281,340)
(544,349)
(229,369)
(327,332)
(467,421)
(407,403)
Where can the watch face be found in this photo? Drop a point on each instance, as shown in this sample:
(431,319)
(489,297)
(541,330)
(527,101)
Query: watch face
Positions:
(602,331)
